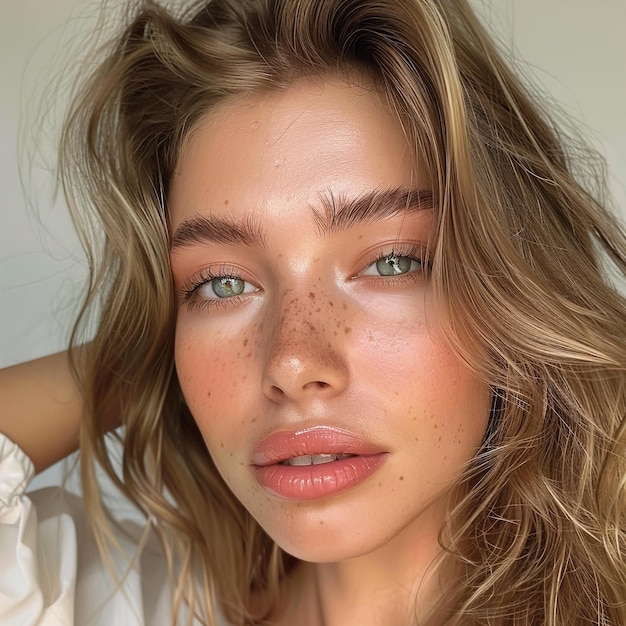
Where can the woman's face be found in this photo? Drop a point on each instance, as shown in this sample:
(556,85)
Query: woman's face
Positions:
(308,343)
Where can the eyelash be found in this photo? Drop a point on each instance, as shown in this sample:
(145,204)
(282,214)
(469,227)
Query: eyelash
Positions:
(188,291)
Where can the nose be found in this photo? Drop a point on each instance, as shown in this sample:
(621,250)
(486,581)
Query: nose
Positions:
(303,362)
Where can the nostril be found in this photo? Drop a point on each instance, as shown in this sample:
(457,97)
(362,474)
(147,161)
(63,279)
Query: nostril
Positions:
(277,391)
(320,384)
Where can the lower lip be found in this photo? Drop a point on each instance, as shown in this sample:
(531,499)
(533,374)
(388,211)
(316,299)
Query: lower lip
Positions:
(310,482)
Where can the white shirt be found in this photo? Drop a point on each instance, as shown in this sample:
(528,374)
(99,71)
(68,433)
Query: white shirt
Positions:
(51,572)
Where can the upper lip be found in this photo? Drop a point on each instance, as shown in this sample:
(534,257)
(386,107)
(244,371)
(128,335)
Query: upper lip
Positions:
(286,444)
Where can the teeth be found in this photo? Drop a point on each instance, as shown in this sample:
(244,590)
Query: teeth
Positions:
(315,459)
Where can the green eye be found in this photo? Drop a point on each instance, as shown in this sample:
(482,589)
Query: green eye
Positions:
(228,286)
(208,289)
(393,265)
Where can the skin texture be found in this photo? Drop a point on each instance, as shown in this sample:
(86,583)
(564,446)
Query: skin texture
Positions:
(318,338)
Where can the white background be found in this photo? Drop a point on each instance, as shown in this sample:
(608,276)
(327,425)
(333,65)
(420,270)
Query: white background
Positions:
(575,48)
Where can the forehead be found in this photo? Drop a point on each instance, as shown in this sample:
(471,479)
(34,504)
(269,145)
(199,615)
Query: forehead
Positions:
(283,151)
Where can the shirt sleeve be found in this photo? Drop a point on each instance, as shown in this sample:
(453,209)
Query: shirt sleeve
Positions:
(33,590)
(51,570)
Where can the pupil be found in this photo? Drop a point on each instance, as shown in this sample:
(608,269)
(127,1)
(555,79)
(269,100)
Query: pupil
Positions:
(393,265)
(226,286)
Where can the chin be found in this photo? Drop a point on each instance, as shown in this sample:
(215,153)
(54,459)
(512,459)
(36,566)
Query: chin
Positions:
(318,537)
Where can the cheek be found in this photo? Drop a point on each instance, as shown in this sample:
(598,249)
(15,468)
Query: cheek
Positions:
(213,367)
(429,395)
(397,352)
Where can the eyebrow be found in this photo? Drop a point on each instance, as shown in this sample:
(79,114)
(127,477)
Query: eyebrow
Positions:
(338,213)
(341,213)
(202,229)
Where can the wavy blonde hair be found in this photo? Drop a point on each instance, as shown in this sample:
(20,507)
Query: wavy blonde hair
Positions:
(538,534)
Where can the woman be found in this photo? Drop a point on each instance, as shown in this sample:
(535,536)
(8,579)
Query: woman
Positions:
(353,319)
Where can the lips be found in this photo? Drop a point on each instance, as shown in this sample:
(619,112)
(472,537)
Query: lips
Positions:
(314,463)
(318,440)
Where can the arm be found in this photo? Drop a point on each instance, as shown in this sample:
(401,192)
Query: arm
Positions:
(41,408)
